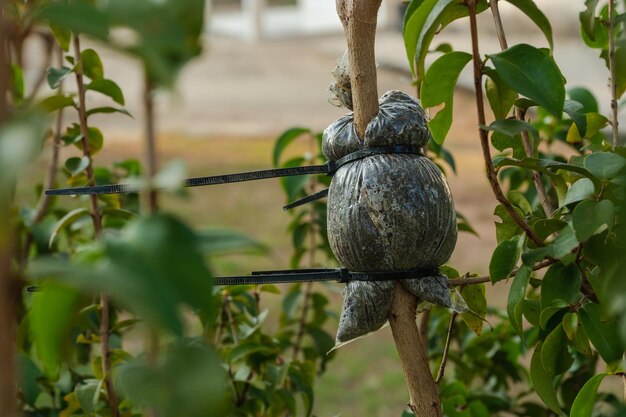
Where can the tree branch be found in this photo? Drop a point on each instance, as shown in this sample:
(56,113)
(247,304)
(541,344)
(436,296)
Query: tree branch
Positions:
(484,138)
(359,22)
(461,282)
(97,224)
(446,348)
(150,145)
(520,115)
(613,71)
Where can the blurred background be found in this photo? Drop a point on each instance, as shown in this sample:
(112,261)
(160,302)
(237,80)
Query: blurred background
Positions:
(266,68)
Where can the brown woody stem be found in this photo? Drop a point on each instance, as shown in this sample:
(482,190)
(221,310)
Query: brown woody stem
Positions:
(492,177)
(446,349)
(520,115)
(613,71)
(97,225)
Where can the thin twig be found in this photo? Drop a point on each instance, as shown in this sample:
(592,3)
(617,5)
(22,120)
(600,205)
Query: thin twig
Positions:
(613,71)
(484,138)
(104,330)
(150,145)
(520,114)
(446,348)
(461,282)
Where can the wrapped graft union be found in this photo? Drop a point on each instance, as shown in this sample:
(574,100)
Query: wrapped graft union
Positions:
(387,212)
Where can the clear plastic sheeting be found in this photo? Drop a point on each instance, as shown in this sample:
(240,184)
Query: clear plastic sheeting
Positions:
(387,212)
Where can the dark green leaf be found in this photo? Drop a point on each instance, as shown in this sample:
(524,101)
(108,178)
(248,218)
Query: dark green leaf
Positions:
(604,165)
(504,259)
(284,140)
(87,396)
(29,375)
(592,217)
(620,66)
(108,88)
(245,349)
(557,307)
(560,282)
(529,8)
(77,17)
(92,65)
(56,75)
(411,8)
(561,248)
(500,96)
(574,110)
(533,73)
(553,351)
(105,109)
(584,97)
(507,228)
(17,83)
(570,325)
(586,398)
(516,297)
(62,35)
(438,88)
(542,382)
(510,127)
(54,103)
(601,333)
(474,296)
(588,18)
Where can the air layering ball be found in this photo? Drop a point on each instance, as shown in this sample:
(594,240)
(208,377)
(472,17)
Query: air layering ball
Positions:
(387,212)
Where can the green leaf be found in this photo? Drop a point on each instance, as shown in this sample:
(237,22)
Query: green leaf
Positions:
(507,228)
(601,333)
(284,140)
(76,165)
(92,65)
(50,318)
(584,97)
(554,356)
(560,283)
(438,88)
(77,17)
(108,88)
(542,382)
(592,217)
(245,349)
(529,8)
(516,298)
(593,122)
(56,75)
(411,8)
(570,325)
(574,110)
(533,73)
(500,96)
(504,259)
(586,398)
(29,374)
(106,109)
(67,220)
(427,18)
(604,165)
(561,248)
(580,190)
(588,18)
(87,396)
(510,127)
(17,83)
(54,103)
(474,296)
(62,35)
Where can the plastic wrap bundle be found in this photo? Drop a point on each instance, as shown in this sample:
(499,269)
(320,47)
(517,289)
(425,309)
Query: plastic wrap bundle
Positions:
(387,212)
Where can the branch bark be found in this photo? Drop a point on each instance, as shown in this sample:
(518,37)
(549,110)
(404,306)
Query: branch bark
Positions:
(97,225)
(358,18)
(359,21)
(484,138)
(613,71)
(521,115)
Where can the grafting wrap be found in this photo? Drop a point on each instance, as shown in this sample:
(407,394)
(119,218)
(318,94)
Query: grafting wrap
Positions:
(387,212)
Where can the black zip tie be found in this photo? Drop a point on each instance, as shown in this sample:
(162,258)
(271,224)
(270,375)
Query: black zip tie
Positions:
(308,199)
(292,276)
(328,168)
